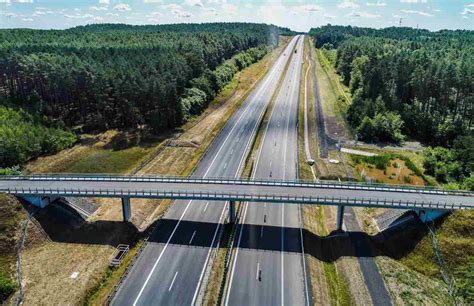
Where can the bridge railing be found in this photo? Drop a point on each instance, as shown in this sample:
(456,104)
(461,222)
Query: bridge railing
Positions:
(227,180)
(237,196)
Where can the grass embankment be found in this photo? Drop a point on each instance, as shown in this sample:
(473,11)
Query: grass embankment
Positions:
(100,292)
(455,234)
(12,216)
(328,286)
(334,97)
(215,286)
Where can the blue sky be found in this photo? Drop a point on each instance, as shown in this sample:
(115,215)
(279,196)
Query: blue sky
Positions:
(298,15)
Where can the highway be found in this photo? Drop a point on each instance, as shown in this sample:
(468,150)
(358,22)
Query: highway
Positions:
(171,268)
(259,276)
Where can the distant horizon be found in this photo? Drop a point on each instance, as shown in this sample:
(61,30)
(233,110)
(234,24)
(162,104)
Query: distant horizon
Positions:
(177,23)
(299,16)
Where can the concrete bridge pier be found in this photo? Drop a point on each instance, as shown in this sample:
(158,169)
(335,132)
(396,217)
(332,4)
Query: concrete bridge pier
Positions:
(126,209)
(231,212)
(340,217)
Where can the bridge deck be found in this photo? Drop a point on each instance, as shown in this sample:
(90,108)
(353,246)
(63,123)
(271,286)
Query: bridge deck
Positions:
(239,190)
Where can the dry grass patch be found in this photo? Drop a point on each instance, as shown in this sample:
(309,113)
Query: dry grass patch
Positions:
(407,287)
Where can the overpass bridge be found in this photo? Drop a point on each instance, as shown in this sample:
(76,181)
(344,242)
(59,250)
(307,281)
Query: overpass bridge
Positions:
(230,190)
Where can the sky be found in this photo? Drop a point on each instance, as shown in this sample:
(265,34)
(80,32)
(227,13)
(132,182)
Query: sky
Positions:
(298,15)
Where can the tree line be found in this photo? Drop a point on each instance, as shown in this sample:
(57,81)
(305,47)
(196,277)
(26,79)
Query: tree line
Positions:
(117,76)
(405,81)
(96,77)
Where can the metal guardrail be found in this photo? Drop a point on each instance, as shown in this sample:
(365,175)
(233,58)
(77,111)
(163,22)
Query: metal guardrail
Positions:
(236,181)
(236,196)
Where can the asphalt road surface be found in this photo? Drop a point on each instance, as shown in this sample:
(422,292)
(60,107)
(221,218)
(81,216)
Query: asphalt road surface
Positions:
(170,270)
(259,275)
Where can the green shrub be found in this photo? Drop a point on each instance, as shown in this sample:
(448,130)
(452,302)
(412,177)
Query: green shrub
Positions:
(7,287)
(23,137)
(382,127)
(465,288)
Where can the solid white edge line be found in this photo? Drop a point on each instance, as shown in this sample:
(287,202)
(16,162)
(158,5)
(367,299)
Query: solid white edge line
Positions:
(159,257)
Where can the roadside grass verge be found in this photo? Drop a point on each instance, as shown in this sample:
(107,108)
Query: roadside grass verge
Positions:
(328,287)
(109,161)
(99,293)
(11,217)
(334,99)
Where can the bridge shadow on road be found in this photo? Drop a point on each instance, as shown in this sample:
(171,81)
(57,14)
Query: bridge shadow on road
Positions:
(66,227)
(394,243)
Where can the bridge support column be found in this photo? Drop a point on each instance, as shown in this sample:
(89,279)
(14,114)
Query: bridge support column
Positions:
(126,209)
(340,217)
(231,212)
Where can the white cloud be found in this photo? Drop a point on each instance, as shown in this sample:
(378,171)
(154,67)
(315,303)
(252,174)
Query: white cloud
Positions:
(272,13)
(378,3)
(172,6)
(16,1)
(38,13)
(421,13)
(27,19)
(467,11)
(470,5)
(152,1)
(112,14)
(122,7)
(181,14)
(9,14)
(348,4)
(77,16)
(248,5)
(98,8)
(363,15)
(308,8)
(216,1)
(209,12)
(104,2)
(328,16)
(230,9)
(413,1)
(194,3)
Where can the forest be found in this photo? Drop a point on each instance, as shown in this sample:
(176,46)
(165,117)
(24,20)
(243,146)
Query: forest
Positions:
(410,84)
(405,82)
(96,77)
